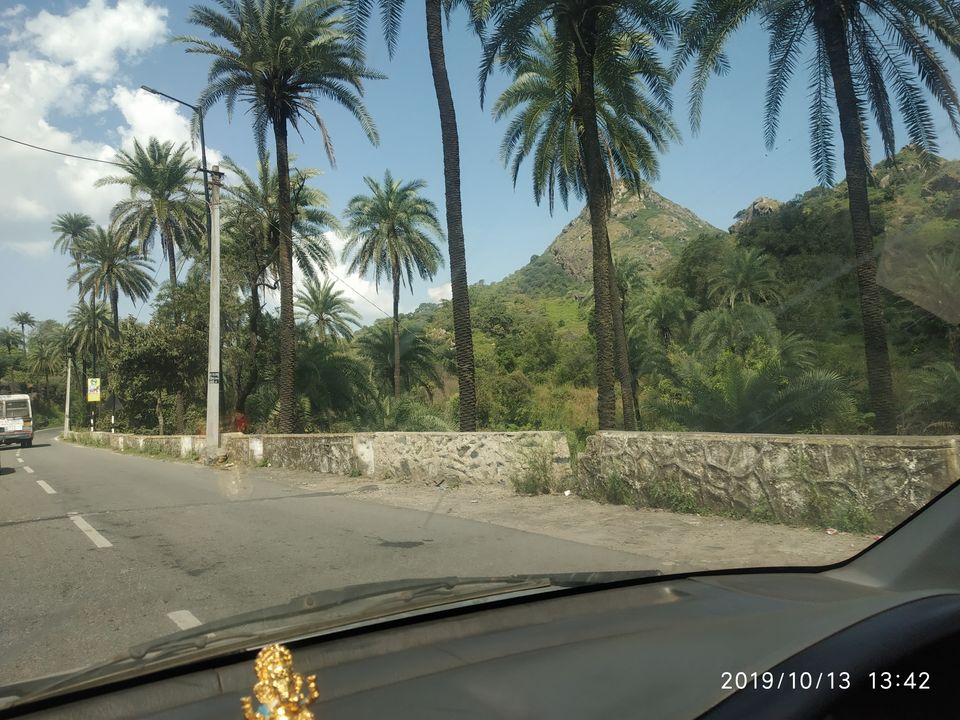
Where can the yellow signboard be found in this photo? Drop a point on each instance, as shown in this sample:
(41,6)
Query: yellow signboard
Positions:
(93,389)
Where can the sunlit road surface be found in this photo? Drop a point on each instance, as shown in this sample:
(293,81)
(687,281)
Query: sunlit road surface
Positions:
(100,551)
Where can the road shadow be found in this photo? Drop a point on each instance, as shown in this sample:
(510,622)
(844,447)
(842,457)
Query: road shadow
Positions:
(6,471)
(38,445)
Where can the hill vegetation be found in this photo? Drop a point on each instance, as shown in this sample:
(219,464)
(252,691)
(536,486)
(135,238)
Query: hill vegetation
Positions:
(757,330)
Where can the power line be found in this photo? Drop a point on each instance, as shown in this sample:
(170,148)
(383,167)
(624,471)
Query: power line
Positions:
(57,152)
(327,271)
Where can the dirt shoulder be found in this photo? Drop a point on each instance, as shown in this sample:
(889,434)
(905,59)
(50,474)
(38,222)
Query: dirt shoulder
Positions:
(676,542)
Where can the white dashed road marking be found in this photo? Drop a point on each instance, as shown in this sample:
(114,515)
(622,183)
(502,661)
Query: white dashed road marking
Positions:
(28,469)
(99,540)
(20,459)
(184,619)
(46,488)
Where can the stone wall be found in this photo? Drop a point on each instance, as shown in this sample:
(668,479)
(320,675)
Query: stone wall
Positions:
(463,457)
(470,457)
(331,454)
(812,479)
(183,446)
(788,478)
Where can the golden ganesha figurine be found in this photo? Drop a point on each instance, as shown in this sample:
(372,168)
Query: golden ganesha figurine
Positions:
(279,691)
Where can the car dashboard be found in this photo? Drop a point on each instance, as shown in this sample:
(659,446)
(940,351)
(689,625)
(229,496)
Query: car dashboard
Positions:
(663,648)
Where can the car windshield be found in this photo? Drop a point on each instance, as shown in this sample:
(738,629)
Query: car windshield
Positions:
(331,301)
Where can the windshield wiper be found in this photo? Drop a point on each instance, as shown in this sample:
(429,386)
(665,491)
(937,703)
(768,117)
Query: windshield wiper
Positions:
(409,590)
(388,596)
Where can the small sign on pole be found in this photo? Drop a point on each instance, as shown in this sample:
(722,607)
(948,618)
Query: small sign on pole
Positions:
(93,389)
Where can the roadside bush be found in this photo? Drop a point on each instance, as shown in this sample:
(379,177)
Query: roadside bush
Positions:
(670,495)
(618,490)
(536,475)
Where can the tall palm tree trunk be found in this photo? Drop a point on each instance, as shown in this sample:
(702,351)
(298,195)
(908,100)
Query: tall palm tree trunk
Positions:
(288,338)
(114,309)
(396,328)
(253,341)
(620,348)
(179,411)
(586,109)
(462,327)
(879,379)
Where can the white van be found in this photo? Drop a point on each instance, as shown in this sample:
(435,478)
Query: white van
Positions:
(16,420)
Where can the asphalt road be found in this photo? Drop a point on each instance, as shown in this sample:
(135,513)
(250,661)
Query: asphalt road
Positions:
(100,551)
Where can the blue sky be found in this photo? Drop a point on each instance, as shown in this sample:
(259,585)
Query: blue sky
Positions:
(69,73)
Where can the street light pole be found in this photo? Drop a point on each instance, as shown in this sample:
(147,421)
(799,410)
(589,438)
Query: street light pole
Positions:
(213,257)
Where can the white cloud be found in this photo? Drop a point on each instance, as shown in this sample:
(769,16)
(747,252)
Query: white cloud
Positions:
(149,115)
(30,248)
(441,292)
(55,65)
(91,38)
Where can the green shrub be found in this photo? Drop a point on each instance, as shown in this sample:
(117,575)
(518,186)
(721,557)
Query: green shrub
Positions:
(670,495)
(535,475)
(618,491)
(850,517)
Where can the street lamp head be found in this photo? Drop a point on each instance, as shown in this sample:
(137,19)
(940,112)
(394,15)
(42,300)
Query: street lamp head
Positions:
(149,89)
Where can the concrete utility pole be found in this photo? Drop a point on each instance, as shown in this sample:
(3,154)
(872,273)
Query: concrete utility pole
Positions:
(213,336)
(66,409)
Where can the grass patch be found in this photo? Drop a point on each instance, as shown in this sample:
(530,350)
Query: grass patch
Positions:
(826,510)
(670,495)
(617,491)
(565,310)
(537,475)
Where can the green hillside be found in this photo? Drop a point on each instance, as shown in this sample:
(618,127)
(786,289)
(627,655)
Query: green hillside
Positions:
(646,227)
(783,355)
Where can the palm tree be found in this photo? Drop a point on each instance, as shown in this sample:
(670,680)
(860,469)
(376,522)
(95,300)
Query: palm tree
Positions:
(665,311)
(861,47)
(419,364)
(252,242)
(736,394)
(23,319)
(586,34)
(163,200)
(71,229)
(9,339)
(252,213)
(333,384)
(327,310)
(745,275)
(732,328)
(88,331)
(43,359)
(390,235)
(391,11)
(933,283)
(109,265)
(936,397)
(633,130)
(279,56)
